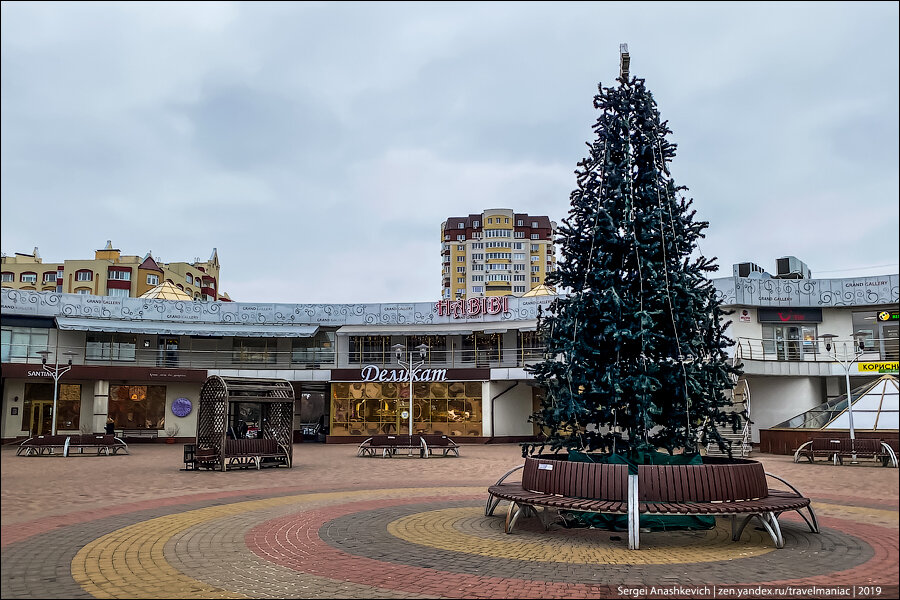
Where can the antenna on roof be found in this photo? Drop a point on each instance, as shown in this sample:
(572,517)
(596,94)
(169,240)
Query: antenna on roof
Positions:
(624,61)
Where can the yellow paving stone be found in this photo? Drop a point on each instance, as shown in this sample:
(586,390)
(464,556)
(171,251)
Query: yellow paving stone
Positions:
(136,552)
(437,529)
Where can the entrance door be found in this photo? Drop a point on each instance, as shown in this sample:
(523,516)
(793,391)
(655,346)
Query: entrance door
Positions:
(891,341)
(38,421)
(167,355)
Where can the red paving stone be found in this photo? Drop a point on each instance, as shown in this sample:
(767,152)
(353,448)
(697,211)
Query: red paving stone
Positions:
(43,495)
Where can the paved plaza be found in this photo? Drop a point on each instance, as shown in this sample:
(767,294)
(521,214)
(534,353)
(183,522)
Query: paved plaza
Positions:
(338,526)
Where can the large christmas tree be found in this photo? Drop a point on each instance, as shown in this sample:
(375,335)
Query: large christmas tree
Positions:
(636,353)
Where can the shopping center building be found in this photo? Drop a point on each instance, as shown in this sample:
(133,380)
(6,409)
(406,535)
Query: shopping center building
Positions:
(142,362)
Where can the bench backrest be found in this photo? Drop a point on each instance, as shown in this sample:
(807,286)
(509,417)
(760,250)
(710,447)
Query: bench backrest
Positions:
(826,444)
(862,445)
(46,440)
(94,439)
(702,483)
(250,446)
(438,440)
(395,440)
(596,481)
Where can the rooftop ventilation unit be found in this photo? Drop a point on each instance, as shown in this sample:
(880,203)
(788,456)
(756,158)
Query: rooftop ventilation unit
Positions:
(791,267)
(748,269)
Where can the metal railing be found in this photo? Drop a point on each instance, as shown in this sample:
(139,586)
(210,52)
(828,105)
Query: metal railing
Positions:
(810,350)
(258,359)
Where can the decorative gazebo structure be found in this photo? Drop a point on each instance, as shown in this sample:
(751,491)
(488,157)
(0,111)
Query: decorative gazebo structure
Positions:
(219,418)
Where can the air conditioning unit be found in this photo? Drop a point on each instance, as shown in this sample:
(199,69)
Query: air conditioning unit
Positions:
(791,267)
(748,269)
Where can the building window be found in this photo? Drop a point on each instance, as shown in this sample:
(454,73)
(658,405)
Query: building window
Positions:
(120,275)
(84,275)
(535,247)
(519,256)
(478,267)
(50,276)
(460,259)
(535,236)
(254,350)
(478,256)
(23,342)
(110,346)
(7,276)
(460,280)
(118,293)
(520,234)
(188,278)
(476,223)
(518,278)
(534,224)
(152,279)
(370,349)
(138,406)
(535,268)
(477,289)
(519,289)
(315,350)
(496,233)
(490,220)
(520,223)
(28,278)
(518,267)
(460,269)
(506,220)
(535,258)
(535,280)
(460,238)
(83,291)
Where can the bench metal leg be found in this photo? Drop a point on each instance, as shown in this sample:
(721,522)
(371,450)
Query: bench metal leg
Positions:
(490,505)
(771,524)
(512,515)
(737,528)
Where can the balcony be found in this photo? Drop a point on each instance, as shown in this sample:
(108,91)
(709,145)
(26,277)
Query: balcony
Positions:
(804,357)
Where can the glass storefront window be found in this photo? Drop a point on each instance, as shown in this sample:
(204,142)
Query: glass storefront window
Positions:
(316,350)
(37,407)
(255,350)
(370,349)
(23,342)
(110,346)
(365,409)
(138,406)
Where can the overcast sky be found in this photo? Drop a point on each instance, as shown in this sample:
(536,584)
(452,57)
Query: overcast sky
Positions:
(319,146)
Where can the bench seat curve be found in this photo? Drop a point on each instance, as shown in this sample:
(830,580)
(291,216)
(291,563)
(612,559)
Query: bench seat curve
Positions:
(720,487)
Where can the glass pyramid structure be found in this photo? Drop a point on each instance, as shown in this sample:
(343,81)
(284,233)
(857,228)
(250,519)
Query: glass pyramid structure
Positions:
(876,407)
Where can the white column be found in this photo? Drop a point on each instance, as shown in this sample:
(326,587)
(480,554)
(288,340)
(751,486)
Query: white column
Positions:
(101,405)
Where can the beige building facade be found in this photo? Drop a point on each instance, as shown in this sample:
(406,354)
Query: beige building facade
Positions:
(498,252)
(110,273)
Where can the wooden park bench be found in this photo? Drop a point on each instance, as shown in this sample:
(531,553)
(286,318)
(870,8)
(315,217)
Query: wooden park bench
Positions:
(837,449)
(254,452)
(390,445)
(439,443)
(737,489)
(102,443)
(150,434)
(43,444)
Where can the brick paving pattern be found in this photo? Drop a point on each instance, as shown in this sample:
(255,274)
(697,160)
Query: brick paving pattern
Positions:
(338,526)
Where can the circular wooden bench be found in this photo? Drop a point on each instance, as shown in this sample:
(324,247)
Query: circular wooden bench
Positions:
(719,487)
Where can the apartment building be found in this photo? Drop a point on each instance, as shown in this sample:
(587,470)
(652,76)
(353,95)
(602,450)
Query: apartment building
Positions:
(496,253)
(110,273)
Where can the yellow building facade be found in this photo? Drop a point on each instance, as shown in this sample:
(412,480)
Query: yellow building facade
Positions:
(110,273)
(496,253)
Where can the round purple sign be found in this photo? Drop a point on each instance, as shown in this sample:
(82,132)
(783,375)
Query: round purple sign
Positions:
(181,407)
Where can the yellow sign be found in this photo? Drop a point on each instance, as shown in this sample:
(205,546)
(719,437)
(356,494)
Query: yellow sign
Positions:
(878,367)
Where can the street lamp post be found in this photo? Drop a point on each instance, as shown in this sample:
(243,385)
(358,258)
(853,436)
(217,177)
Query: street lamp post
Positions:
(846,360)
(55,372)
(411,369)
